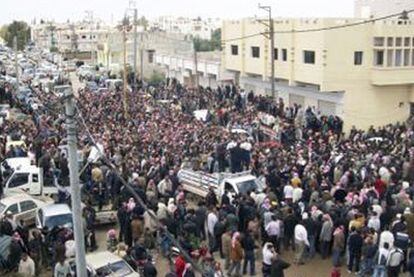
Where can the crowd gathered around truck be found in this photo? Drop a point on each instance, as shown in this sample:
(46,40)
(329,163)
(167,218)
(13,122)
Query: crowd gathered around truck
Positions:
(213,179)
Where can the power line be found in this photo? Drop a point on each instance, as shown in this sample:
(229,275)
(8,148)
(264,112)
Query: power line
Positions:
(344,25)
(322,28)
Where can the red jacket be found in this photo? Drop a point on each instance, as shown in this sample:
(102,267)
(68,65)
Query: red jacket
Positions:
(380,186)
(179,266)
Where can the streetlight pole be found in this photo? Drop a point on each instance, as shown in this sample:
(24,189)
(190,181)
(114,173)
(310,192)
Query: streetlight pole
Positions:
(272,47)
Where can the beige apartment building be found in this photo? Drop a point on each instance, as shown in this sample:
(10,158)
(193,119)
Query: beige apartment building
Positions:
(363,73)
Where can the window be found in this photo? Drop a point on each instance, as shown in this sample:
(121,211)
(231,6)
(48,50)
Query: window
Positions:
(13,209)
(412,57)
(378,41)
(275,54)
(398,58)
(228,187)
(83,37)
(390,42)
(309,57)
(407,42)
(27,206)
(398,41)
(234,50)
(150,56)
(284,54)
(379,57)
(406,57)
(19,179)
(255,52)
(390,58)
(358,57)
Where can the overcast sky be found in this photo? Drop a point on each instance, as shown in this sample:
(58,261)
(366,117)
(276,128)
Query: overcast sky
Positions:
(61,10)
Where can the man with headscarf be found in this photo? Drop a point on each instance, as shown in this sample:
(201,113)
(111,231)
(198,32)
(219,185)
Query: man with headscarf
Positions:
(325,236)
(301,241)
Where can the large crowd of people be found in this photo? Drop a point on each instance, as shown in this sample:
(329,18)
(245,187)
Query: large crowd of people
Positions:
(326,193)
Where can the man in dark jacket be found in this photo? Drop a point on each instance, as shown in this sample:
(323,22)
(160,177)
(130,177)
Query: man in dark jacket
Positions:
(355,243)
(290,222)
(211,198)
(200,219)
(248,249)
(122,216)
(278,266)
(310,226)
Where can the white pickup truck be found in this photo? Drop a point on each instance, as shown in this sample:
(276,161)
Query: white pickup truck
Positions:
(30,179)
(198,182)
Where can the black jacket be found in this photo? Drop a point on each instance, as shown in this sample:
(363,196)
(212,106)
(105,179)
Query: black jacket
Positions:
(248,243)
(355,243)
(277,268)
(150,270)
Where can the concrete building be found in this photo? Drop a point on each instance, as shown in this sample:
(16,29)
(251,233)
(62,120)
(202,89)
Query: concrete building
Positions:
(378,8)
(196,27)
(364,73)
(183,67)
(70,37)
(149,44)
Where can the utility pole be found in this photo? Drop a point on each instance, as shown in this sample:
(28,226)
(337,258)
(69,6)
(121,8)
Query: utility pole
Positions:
(272,47)
(141,55)
(125,26)
(16,64)
(135,47)
(196,67)
(92,44)
(74,183)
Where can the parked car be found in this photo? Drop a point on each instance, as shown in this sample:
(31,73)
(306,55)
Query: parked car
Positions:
(54,215)
(106,264)
(23,206)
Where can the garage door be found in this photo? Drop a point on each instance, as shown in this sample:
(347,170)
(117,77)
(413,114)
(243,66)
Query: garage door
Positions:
(327,108)
(296,99)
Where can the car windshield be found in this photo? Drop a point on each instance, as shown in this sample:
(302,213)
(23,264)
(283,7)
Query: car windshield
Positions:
(118,269)
(64,220)
(2,208)
(247,186)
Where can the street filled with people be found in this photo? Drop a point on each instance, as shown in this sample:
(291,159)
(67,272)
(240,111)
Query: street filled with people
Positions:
(317,190)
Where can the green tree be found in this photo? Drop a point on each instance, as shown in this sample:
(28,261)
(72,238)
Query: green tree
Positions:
(18,29)
(203,45)
(156,78)
(216,39)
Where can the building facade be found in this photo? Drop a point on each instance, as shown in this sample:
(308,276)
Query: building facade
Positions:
(364,73)
(378,8)
(183,67)
(195,27)
(149,44)
(70,37)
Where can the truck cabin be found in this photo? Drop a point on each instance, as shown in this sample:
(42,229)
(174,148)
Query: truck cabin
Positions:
(26,178)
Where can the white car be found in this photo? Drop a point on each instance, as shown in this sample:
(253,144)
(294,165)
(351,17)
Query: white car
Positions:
(106,264)
(23,206)
(54,215)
